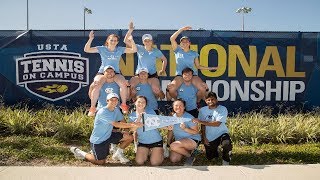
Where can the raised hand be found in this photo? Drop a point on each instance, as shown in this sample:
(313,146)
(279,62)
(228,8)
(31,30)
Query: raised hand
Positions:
(131,26)
(91,35)
(186,28)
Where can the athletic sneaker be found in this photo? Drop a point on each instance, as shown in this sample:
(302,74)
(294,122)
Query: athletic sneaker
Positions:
(225,163)
(76,153)
(189,160)
(92,111)
(113,148)
(118,155)
(166,151)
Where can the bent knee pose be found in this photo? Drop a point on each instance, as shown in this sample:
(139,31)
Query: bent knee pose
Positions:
(149,142)
(102,135)
(213,118)
(110,55)
(185,57)
(186,134)
(147,57)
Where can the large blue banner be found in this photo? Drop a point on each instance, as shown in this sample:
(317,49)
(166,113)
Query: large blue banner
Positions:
(255,69)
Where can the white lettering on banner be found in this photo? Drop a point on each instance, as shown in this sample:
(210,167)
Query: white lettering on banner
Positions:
(256,90)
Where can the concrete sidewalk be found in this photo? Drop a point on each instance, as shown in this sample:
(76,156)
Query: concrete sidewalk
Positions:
(254,172)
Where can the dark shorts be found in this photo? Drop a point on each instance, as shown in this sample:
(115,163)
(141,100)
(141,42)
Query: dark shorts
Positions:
(197,142)
(101,151)
(194,112)
(155,75)
(150,146)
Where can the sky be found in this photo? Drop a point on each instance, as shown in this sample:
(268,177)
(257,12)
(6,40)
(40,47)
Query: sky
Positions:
(266,15)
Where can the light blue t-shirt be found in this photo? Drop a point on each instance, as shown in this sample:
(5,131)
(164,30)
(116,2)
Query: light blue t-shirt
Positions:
(147,59)
(180,133)
(102,127)
(188,94)
(184,60)
(110,58)
(218,114)
(146,91)
(147,137)
(106,89)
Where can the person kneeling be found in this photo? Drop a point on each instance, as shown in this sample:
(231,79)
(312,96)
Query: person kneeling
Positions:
(102,134)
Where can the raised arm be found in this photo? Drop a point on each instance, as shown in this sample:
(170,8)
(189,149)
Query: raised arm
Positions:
(133,47)
(131,28)
(174,36)
(87,47)
(197,63)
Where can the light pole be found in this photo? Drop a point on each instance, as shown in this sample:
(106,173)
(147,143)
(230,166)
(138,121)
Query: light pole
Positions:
(85,11)
(27,15)
(243,10)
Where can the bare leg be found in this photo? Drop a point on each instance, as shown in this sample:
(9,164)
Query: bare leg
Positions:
(155,85)
(122,83)
(156,157)
(126,140)
(142,155)
(201,86)
(94,92)
(173,87)
(183,146)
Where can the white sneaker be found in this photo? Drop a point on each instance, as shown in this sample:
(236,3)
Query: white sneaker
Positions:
(118,155)
(166,151)
(225,163)
(76,153)
(113,148)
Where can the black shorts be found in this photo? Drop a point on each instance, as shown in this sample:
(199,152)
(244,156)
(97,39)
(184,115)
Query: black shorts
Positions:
(101,151)
(194,112)
(155,75)
(153,145)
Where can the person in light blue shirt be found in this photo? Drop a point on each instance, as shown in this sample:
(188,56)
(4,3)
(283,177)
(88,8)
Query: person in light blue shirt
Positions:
(147,58)
(213,120)
(148,141)
(102,134)
(144,89)
(110,86)
(188,92)
(110,55)
(185,57)
(186,134)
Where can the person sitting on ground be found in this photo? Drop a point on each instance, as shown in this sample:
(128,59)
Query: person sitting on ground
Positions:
(110,55)
(148,142)
(147,57)
(185,57)
(214,131)
(188,92)
(144,89)
(186,135)
(102,134)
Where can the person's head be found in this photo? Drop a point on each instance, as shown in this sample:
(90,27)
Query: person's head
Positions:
(211,99)
(187,74)
(141,102)
(112,100)
(147,40)
(109,71)
(112,40)
(143,73)
(179,106)
(185,42)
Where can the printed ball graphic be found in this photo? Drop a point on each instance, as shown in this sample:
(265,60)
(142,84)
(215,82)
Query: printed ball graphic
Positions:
(62,88)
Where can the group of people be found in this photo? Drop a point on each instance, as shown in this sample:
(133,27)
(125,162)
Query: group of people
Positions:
(186,90)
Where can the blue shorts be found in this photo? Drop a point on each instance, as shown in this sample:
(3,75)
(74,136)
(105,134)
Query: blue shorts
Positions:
(101,151)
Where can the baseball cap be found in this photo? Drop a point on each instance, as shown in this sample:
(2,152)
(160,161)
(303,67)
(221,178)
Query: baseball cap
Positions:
(146,36)
(184,37)
(112,95)
(108,67)
(143,70)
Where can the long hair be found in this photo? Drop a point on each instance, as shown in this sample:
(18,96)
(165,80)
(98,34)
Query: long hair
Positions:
(110,36)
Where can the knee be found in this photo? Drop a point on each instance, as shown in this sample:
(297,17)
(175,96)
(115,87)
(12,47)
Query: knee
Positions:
(174,159)
(226,145)
(155,162)
(99,162)
(140,162)
(173,147)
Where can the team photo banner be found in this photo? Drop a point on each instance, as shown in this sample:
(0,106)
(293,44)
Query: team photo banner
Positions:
(255,69)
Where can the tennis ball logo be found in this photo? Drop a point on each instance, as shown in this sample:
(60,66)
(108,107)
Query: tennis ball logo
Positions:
(62,88)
